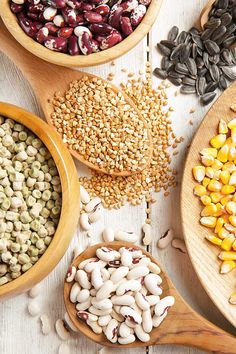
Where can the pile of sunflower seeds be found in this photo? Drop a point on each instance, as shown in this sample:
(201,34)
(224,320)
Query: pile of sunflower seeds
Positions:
(200,61)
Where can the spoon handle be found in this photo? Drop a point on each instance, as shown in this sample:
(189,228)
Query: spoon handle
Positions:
(186,327)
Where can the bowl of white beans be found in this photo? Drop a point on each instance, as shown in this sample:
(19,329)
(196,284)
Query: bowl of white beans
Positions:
(116,295)
(39,200)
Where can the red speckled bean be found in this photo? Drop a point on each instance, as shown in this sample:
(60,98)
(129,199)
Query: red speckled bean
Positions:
(65,32)
(92,17)
(115,15)
(101,28)
(111,40)
(85,44)
(25,25)
(42,35)
(16,8)
(137,15)
(57,44)
(58,4)
(102,9)
(126,26)
(73,46)
(74,4)
(52,28)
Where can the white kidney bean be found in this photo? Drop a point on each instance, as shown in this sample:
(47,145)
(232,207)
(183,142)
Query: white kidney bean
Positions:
(137,272)
(95,326)
(95,202)
(104,304)
(136,253)
(153,267)
(126,236)
(126,258)
(106,254)
(45,324)
(147,321)
(147,230)
(131,314)
(104,320)
(35,291)
(157,320)
(153,299)
(61,330)
(136,308)
(96,215)
(117,316)
(83,295)
(112,330)
(98,312)
(162,306)
(143,336)
(82,279)
(86,261)
(143,261)
(83,305)
(165,239)
(85,315)
(127,340)
(119,274)
(124,330)
(84,196)
(129,285)
(143,290)
(122,300)
(105,274)
(75,289)
(105,290)
(70,323)
(96,278)
(152,282)
(108,234)
(70,274)
(84,222)
(141,301)
(179,245)
(89,267)
(117,308)
(34,308)
(130,324)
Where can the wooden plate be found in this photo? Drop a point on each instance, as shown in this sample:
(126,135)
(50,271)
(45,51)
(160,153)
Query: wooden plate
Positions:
(204,255)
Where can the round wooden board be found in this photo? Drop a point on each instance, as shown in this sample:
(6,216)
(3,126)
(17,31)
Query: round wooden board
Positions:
(204,255)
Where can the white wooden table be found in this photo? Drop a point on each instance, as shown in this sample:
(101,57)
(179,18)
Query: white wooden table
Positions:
(20,333)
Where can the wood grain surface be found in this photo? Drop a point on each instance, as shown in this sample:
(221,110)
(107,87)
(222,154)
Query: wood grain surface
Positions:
(15,321)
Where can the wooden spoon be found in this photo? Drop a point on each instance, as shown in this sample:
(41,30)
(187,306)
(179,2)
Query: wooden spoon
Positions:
(46,79)
(181,326)
(205,15)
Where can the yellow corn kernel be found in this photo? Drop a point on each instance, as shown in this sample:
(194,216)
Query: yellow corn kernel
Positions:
(208,221)
(227,266)
(214,186)
(229,227)
(219,210)
(230,207)
(229,166)
(224,177)
(213,239)
(232,180)
(223,154)
(208,160)
(222,233)
(199,190)
(227,243)
(209,151)
(217,175)
(227,189)
(232,154)
(216,197)
(229,142)
(232,220)
(226,199)
(218,141)
(217,165)
(233,135)
(205,181)
(234,198)
(234,245)
(219,224)
(205,199)
(232,124)
(209,172)
(199,173)
(232,299)
(209,210)
(227,256)
(223,129)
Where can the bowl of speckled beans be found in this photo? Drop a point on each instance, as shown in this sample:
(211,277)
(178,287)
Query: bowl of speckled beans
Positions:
(39,193)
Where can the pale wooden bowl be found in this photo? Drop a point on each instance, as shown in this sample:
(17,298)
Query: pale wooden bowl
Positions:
(102,57)
(70,201)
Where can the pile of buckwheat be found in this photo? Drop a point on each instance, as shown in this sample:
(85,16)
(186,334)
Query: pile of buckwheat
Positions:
(116,191)
(101,126)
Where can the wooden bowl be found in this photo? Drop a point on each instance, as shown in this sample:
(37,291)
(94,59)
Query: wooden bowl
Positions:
(70,201)
(102,57)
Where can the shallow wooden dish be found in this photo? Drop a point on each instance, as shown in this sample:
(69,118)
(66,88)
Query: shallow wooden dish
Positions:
(102,57)
(204,255)
(181,326)
(70,201)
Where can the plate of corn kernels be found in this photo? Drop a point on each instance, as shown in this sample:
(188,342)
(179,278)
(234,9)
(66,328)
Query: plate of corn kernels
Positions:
(208,203)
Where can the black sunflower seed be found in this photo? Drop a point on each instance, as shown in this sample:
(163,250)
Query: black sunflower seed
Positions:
(218,33)
(176,52)
(181,37)
(175,75)
(168,44)
(176,82)
(194,50)
(201,72)
(207,34)
(211,87)
(165,63)
(212,47)
(214,59)
(191,65)
(186,89)
(185,53)
(213,23)
(207,98)
(221,4)
(222,83)
(200,85)
(163,49)
(227,56)
(199,62)
(214,72)
(229,41)
(232,28)
(226,19)
(173,33)
(205,58)
(194,30)
(228,73)
(189,81)
(181,68)
(161,74)
(197,40)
